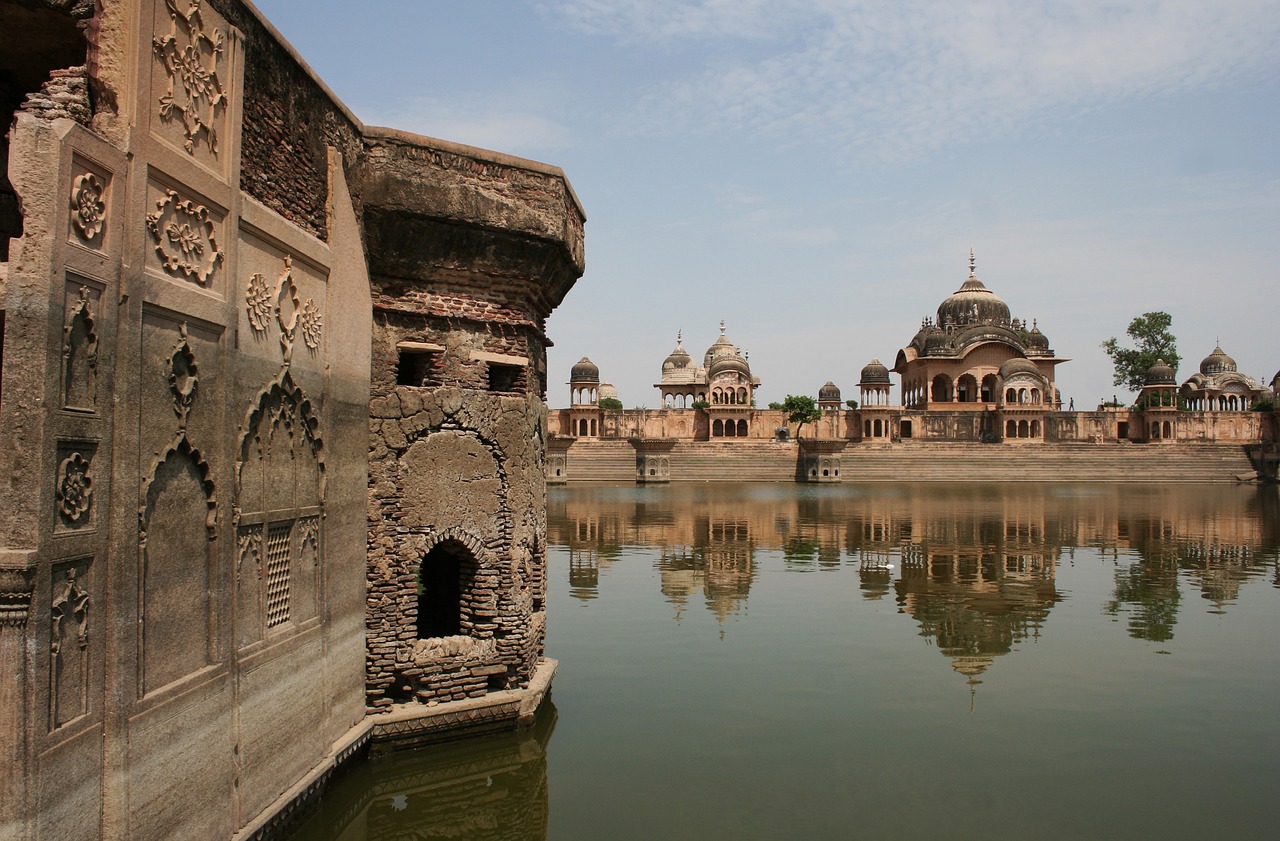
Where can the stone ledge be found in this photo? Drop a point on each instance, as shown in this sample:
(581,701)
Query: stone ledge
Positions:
(405,726)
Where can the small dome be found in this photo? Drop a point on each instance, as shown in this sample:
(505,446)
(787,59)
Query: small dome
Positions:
(585,371)
(1037,342)
(608,390)
(829,393)
(1217,363)
(935,341)
(874,373)
(679,358)
(1161,374)
(1019,366)
(722,347)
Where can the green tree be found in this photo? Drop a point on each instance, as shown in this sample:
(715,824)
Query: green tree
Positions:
(1150,332)
(775,405)
(852,404)
(612,404)
(699,404)
(801,409)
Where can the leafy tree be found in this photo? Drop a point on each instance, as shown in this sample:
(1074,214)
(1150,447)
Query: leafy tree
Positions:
(699,404)
(775,406)
(613,404)
(852,404)
(801,409)
(1150,331)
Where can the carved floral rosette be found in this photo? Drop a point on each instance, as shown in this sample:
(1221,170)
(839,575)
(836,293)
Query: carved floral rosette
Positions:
(74,489)
(312,323)
(88,206)
(190,57)
(257,302)
(184,237)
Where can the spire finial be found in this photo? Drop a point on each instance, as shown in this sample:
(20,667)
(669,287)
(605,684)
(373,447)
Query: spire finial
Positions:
(722,327)
(973,264)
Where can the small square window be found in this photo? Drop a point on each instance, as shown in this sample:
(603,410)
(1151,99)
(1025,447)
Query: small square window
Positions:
(505,378)
(417,368)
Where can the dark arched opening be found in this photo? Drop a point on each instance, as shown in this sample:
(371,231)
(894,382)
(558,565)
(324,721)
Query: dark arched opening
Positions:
(440,588)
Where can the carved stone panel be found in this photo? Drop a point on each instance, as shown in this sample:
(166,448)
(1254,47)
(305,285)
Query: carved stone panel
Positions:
(88,204)
(73,486)
(69,639)
(80,348)
(190,81)
(184,234)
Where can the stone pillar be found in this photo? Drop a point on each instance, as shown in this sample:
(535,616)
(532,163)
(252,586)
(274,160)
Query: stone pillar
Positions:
(17,578)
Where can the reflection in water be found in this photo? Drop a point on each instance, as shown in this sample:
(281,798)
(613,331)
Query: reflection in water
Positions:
(492,788)
(974,567)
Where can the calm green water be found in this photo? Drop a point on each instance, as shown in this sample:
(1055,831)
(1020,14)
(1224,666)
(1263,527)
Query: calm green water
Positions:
(882,662)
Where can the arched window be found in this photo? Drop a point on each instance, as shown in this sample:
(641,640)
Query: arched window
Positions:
(967,389)
(1155,429)
(989,388)
(1010,396)
(1023,430)
(742,396)
(1035,396)
(582,428)
(445,574)
(717,428)
(1035,429)
(593,428)
(1011,429)
(867,431)
(742,429)
(1167,430)
(941,389)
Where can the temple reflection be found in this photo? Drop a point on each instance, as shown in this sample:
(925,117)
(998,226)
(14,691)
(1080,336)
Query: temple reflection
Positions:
(974,566)
(489,789)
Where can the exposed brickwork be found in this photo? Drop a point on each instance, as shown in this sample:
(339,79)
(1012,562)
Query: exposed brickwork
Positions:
(289,123)
(65,95)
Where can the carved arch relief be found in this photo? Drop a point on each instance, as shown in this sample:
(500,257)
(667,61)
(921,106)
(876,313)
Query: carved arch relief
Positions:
(80,357)
(177,522)
(69,644)
(279,510)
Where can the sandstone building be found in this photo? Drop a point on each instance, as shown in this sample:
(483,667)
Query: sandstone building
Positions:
(272,399)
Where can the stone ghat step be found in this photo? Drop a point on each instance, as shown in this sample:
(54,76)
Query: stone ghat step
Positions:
(768,461)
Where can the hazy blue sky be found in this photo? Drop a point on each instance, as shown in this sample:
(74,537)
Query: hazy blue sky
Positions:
(814,171)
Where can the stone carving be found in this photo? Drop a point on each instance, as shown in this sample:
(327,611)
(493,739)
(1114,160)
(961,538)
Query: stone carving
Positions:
(277,572)
(248,551)
(181,448)
(311,323)
(257,302)
(80,356)
(15,595)
(70,619)
(74,489)
(288,309)
(184,378)
(88,206)
(190,57)
(184,236)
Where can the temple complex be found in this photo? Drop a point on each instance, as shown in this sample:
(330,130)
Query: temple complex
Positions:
(973,373)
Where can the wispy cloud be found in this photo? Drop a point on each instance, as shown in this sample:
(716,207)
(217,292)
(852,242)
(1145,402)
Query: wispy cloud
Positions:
(514,126)
(898,77)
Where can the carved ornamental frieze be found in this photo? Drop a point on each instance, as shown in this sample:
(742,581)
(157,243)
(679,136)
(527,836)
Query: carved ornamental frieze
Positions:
(190,54)
(291,314)
(185,238)
(88,207)
(15,595)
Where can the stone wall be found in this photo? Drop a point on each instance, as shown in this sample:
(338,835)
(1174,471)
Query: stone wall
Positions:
(190,334)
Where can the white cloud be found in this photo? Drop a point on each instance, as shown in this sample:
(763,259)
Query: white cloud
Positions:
(489,123)
(904,76)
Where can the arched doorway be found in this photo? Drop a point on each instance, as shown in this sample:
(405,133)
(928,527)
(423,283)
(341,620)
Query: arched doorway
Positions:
(445,574)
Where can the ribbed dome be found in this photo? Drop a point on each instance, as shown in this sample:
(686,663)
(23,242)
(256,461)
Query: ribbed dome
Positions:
(1018,366)
(972,303)
(829,392)
(1217,363)
(874,373)
(722,347)
(1037,342)
(679,358)
(729,363)
(1161,374)
(585,371)
(608,390)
